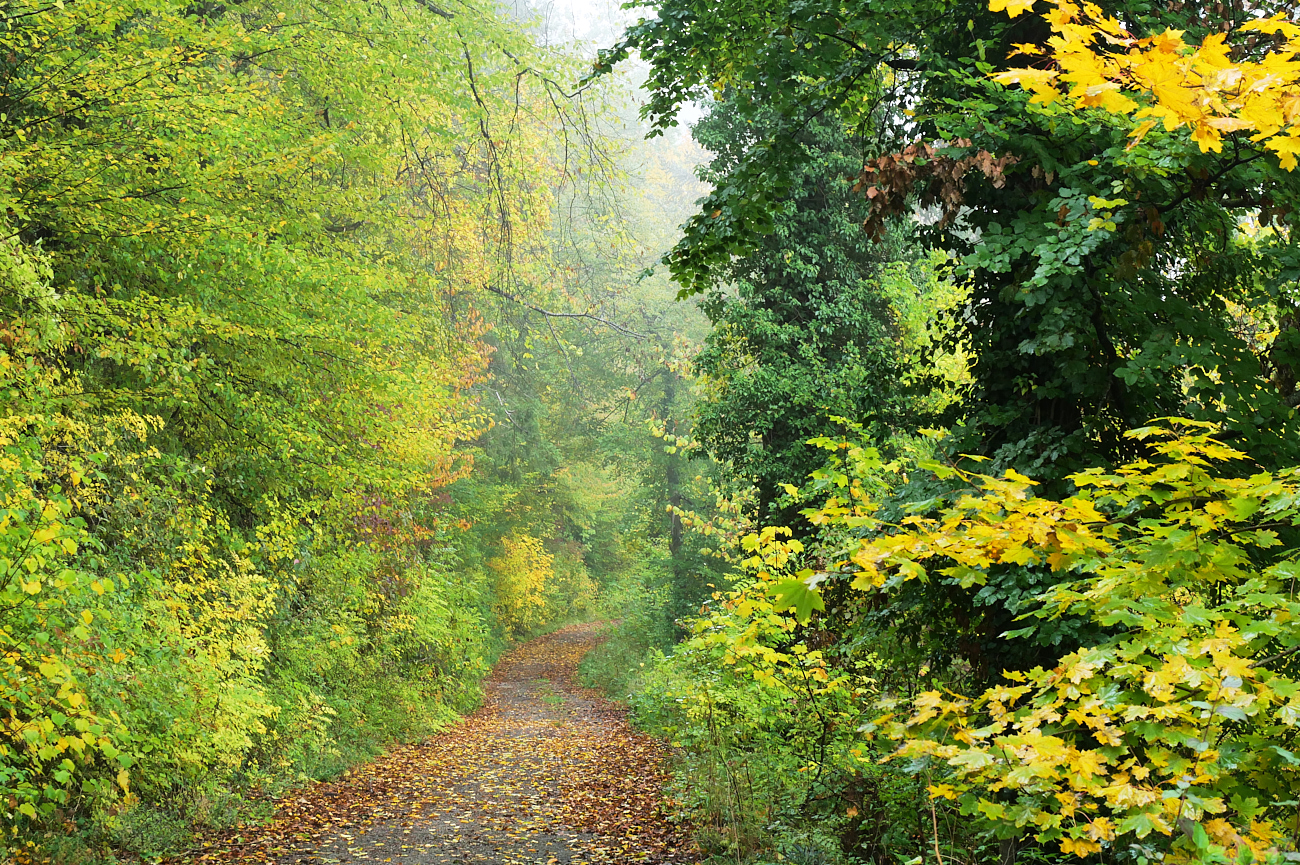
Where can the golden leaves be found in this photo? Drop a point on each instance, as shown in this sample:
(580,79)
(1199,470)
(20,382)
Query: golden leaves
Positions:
(1001,525)
(1096,63)
(1121,738)
(522,570)
(1011,7)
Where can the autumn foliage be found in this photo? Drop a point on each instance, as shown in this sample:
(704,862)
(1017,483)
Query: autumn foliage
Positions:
(243,288)
(522,571)
(1179,723)
(1213,88)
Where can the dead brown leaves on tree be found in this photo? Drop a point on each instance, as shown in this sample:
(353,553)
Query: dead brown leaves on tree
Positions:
(936,178)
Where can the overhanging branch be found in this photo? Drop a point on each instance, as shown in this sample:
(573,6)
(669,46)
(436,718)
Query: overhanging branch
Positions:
(587,315)
(436,10)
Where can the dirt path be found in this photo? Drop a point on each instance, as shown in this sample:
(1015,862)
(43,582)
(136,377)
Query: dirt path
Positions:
(545,772)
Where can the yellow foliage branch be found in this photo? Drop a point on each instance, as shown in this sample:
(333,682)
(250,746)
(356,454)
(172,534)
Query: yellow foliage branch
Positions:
(1094,62)
(1179,723)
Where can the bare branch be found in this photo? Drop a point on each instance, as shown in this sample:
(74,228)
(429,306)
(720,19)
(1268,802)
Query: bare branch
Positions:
(1279,656)
(499,292)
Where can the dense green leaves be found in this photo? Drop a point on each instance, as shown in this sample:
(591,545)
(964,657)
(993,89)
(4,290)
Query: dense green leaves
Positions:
(808,325)
(1077,329)
(255,259)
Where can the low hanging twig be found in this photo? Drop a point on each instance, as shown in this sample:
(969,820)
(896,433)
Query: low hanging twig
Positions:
(435,9)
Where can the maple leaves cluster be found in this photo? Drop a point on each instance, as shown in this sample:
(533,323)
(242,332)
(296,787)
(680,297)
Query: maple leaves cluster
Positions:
(1095,62)
(1178,723)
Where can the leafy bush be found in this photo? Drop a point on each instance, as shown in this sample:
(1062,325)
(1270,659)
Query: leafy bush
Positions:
(770,757)
(1171,735)
(638,604)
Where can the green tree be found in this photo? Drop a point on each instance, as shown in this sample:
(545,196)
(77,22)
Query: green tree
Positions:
(249,254)
(1102,277)
(804,324)
(1107,281)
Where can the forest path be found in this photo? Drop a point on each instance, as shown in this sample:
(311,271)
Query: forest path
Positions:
(546,772)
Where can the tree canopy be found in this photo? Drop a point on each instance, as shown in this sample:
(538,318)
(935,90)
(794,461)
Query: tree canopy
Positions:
(804,326)
(1104,272)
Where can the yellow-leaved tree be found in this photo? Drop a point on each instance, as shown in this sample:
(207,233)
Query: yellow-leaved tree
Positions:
(522,572)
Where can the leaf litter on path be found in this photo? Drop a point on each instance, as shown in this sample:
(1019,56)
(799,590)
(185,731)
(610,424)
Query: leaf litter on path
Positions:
(545,773)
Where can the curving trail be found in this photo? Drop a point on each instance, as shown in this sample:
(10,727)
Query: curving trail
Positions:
(545,773)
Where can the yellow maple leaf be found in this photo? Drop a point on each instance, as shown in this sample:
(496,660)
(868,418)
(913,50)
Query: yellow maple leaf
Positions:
(1114,101)
(1089,764)
(1169,42)
(1232,665)
(1214,52)
(941,791)
(1106,24)
(1085,69)
(1229,124)
(1139,132)
(1011,7)
(1286,148)
(1079,847)
(1062,15)
(1207,137)
(1078,669)
(1275,24)
(1030,79)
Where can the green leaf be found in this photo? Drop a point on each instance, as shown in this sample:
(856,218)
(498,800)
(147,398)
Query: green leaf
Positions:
(1200,837)
(1139,824)
(1291,758)
(1232,713)
(795,595)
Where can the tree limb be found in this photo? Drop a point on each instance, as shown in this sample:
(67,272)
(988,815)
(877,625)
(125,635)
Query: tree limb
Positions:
(1279,656)
(435,9)
(499,292)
